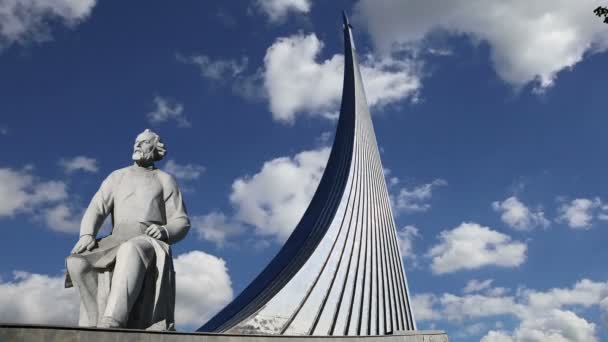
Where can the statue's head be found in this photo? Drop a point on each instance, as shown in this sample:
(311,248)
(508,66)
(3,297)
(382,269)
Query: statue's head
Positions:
(148,148)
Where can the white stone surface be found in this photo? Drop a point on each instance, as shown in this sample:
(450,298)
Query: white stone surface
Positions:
(126,279)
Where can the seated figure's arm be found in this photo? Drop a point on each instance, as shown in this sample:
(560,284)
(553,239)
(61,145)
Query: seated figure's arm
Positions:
(100,207)
(178,222)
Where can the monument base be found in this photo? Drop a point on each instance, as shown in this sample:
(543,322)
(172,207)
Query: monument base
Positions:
(47,333)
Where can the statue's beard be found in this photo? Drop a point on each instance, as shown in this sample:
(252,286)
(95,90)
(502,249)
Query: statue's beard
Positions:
(140,156)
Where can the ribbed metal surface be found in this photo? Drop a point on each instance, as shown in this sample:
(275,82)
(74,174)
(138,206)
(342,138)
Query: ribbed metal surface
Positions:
(340,272)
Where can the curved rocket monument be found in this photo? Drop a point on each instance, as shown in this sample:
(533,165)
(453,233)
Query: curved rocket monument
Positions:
(340,272)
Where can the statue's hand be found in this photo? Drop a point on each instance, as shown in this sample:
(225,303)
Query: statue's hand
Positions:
(86,242)
(157,232)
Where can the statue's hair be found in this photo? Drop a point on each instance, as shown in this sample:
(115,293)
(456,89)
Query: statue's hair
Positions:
(159,148)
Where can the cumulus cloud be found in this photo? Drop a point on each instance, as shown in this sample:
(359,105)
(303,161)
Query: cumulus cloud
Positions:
(21,191)
(580,212)
(471,246)
(29,21)
(423,306)
(517,215)
(562,30)
(274,199)
(415,199)
(297,83)
(541,315)
(184,171)
(277,10)
(475,285)
(79,163)
(62,218)
(217,227)
(166,110)
(229,71)
(203,287)
(556,325)
(215,70)
(497,336)
(405,238)
(38,299)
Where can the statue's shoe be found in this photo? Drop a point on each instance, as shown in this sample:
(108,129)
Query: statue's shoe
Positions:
(109,322)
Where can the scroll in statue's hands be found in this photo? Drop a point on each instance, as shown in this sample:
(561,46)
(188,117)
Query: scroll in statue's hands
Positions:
(85,243)
(157,232)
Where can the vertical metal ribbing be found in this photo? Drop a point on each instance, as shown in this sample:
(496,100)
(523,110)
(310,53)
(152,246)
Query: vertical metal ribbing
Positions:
(363,326)
(365,309)
(374,316)
(388,260)
(406,316)
(389,266)
(405,320)
(338,312)
(341,271)
(360,306)
(328,257)
(354,299)
(322,309)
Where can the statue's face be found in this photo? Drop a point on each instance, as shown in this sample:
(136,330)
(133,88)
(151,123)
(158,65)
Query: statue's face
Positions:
(143,149)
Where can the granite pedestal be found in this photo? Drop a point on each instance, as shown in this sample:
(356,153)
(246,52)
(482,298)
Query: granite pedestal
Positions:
(47,333)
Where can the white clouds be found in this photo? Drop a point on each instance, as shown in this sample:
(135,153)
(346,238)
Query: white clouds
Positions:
(168,110)
(274,199)
(46,201)
(203,287)
(216,227)
(229,71)
(414,200)
(475,285)
(422,304)
(543,315)
(184,171)
(296,83)
(556,325)
(562,30)
(61,218)
(457,308)
(584,293)
(277,10)
(20,191)
(25,21)
(405,238)
(77,163)
(471,246)
(579,213)
(38,298)
(497,336)
(216,70)
(517,215)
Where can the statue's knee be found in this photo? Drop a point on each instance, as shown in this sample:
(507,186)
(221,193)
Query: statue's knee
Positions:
(77,266)
(127,249)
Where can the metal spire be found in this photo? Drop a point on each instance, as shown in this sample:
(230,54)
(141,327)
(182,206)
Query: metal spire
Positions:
(340,272)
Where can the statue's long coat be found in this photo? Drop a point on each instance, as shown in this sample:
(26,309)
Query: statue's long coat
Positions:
(136,197)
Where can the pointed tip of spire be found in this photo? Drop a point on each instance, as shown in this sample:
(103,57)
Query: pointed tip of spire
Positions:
(345,18)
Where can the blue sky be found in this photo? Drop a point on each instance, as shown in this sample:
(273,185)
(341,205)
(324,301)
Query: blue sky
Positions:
(490,116)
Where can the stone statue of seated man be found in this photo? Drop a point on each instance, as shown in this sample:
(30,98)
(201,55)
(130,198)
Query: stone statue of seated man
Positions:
(126,279)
